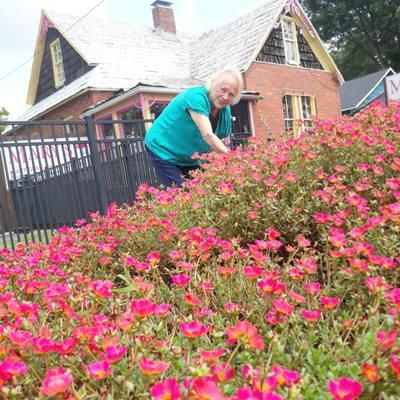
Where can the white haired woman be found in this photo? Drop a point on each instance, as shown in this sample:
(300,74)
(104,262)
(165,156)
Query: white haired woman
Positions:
(195,121)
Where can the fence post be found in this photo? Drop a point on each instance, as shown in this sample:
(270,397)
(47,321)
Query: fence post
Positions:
(77,184)
(7,219)
(97,171)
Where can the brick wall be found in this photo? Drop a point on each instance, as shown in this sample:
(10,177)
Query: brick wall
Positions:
(73,109)
(163,17)
(271,80)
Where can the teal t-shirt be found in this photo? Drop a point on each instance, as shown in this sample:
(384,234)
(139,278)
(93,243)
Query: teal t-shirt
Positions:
(175,137)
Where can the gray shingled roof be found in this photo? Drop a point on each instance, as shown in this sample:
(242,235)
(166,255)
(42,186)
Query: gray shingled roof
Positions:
(126,54)
(353,92)
(234,43)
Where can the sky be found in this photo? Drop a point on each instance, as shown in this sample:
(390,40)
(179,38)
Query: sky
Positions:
(19,23)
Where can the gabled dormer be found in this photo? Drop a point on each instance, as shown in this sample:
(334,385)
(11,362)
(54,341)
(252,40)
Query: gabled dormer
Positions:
(56,62)
(287,44)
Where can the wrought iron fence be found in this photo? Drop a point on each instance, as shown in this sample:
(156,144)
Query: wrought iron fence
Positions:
(53,173)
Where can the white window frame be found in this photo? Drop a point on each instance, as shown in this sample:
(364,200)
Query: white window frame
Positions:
(57,62)
(292,24)
(296,101)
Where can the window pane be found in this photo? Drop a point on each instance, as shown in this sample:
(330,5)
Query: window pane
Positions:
(156,109)
(287,107)
(288,125)
(290,51)
(306,106)
(287,30)
(57,52)
(134,128)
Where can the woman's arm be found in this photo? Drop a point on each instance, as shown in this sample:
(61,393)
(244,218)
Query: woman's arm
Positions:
(205,128)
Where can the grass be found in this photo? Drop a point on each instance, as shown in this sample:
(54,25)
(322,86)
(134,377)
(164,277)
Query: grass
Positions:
(29,236)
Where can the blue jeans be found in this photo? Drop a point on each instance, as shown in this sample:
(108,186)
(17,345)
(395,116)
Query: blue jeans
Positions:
(170,174)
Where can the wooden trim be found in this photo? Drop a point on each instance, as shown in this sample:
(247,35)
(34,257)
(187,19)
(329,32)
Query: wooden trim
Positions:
(296,46)
(54,46)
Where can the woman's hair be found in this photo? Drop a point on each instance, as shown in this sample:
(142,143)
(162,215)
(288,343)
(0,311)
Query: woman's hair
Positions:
(218,76)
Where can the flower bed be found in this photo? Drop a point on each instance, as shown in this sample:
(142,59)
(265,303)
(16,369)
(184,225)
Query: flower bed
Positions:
(273,275)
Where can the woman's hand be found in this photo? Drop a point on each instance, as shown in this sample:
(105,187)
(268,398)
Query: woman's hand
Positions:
(205,128)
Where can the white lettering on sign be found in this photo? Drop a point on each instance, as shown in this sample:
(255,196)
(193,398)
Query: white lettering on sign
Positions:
(393,87)
(29,158)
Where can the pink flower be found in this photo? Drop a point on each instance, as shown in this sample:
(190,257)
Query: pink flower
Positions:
(311,315)
(222,371)
(114,353)
(252,272)
(395,365)
(329,303)
(56,381)
(153,258)
(10,368)
(205,389)
(386,340)
(99,370)
(20,338)
(291,177)
(211,355)
(166,390)
(284,376)
(142,307)
(162,309)
(283,307)
(180,280)
(345,389)
(313,288)
(243,330)
(193,329)
(268,286)
(151,367)
(103,289)
(192,300)
(302,241)
(370,371)
(225,188)
(43,345)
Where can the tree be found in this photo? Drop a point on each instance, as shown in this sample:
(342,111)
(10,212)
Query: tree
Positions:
(364,34)
(3,117)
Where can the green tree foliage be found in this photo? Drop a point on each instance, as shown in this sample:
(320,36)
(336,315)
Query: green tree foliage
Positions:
(364,34)
(3,117)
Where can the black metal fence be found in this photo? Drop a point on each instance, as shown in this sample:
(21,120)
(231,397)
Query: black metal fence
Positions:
(53,173)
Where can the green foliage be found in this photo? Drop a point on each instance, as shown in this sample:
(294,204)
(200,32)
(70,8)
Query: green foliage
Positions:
(282,259)
(3,117)
(364,35)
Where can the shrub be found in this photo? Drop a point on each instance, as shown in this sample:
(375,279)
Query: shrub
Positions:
(273,274)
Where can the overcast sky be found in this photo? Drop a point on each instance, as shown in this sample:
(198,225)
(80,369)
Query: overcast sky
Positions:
(19,21)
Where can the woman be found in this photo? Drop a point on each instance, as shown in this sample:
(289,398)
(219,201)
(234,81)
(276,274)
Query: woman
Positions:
(194,122)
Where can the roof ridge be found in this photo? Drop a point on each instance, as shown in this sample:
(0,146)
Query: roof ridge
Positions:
(240,17)
(368,73)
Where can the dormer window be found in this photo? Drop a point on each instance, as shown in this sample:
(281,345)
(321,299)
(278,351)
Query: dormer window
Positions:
(57,61)
(290,41)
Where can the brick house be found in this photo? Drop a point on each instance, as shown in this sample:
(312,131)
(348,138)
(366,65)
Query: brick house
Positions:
(115,71)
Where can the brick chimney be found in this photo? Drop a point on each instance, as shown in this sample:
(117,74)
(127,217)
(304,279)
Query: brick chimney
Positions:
(163,16)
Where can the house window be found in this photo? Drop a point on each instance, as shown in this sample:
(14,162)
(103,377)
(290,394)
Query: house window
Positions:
(297,112)
(290,41)
(288,112)
(57,61)
(68,128)
(156,109)
(136,128)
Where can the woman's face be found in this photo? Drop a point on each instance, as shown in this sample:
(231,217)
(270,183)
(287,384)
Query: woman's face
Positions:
(224,91)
